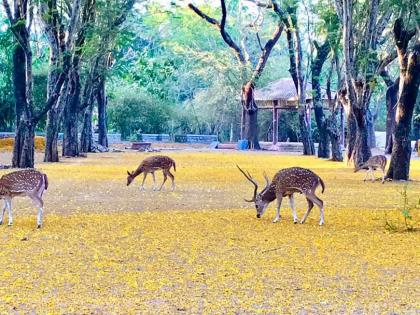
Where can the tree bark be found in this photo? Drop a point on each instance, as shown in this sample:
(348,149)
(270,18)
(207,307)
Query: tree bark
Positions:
(296,71)
(70,117)
(370,125)
(19,85)
(391,103)
(86,138)
(250,116)
(321,121)
(102,101)
(409,85)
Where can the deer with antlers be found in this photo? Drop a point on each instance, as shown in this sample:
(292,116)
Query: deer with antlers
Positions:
(30,183)
(374,162)
(287,182)
(150,165)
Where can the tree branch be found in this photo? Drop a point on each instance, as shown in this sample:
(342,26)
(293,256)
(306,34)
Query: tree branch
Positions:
(8,11)
(221,27)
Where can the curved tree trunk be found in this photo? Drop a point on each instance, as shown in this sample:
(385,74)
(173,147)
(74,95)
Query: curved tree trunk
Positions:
(409,85)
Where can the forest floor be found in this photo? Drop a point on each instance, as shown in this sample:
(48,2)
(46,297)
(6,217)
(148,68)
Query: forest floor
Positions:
(108,248)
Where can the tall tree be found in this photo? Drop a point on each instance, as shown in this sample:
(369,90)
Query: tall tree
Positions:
(361,65)
(249,106)
(409,61)
(108,25)
(21,20)
(55,27)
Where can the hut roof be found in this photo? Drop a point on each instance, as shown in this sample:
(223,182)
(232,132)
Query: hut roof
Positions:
(284,90)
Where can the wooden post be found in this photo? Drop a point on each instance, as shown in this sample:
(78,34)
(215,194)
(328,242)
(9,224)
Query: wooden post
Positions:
(275,122)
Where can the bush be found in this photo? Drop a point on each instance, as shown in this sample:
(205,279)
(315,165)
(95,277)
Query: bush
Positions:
(132,111)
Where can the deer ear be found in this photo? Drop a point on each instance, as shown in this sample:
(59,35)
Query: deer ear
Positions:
(129,174)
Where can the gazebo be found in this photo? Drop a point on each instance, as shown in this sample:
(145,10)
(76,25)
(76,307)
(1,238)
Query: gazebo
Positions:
(281,94)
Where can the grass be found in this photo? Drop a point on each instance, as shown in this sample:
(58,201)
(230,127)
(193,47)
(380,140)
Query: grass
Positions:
(109,248)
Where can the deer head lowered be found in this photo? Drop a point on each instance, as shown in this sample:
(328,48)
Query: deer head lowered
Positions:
(30,183)
(287,182)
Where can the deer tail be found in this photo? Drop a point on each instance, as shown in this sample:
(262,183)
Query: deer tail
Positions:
(45,181)
(322,184)
(173,164)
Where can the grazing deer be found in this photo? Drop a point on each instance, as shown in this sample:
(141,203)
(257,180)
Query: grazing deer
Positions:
(374,162)
(30,183)
(286,182)
(150,165)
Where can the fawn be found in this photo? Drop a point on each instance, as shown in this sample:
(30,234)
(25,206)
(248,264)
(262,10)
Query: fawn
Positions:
(30,183)
(150,165)
(374,162)
(286,182)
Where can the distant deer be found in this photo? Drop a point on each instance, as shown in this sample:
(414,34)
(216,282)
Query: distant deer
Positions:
(30,183)
(286,182)
(377,161)
(152,164)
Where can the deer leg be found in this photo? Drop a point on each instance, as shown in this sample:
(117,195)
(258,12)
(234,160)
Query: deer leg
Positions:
(154,180)
(172,177)
(165,177)
(366,176)
(292,206)
(40,204)
(9,211)
(279,199)
(142,183)
(372,172)
(2,212)
(310,206)
(320,205)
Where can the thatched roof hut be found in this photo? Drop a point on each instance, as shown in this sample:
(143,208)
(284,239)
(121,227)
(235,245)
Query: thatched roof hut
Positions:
(282,94)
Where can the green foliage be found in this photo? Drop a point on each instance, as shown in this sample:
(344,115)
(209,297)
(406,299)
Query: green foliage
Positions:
(132,110)
(6,84)
(406,207)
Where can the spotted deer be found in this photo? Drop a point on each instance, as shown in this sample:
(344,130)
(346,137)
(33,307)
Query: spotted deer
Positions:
(374,162)
(29,183)
(151,165)
(287,182)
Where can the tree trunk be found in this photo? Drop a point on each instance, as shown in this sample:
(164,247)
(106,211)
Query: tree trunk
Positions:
(24,146)
(51,134)
(102,116)
(250,116)
(370,125)
(391,102)
(86,138)
(409,85)
(321,121)
(23,128)
(70,118)
(334,135)
(351,137)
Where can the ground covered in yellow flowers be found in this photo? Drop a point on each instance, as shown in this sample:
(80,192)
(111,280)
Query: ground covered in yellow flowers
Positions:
(108,248)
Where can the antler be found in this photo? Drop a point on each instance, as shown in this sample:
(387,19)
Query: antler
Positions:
(267,180)
(249,177)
